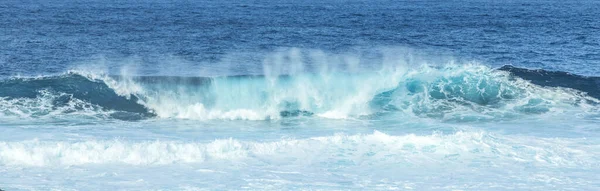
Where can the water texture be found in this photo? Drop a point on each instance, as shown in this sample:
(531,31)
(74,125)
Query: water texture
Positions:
(299,95)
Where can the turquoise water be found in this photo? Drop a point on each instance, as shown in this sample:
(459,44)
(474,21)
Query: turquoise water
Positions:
(299,96)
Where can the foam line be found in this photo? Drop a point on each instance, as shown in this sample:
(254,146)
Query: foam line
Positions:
(376,147)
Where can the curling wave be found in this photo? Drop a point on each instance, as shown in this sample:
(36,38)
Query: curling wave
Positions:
(453,92)
(65,94)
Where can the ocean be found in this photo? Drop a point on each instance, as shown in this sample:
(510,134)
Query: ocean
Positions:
(299,95)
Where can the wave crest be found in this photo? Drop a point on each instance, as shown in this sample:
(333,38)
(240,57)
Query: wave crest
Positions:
(452,92)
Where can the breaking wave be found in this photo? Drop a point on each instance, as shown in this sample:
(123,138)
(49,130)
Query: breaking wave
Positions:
(452,92)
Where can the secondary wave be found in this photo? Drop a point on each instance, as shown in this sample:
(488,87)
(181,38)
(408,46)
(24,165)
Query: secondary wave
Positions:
(453,92)
(368,149)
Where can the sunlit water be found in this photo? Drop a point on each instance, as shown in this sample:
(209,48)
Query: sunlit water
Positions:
(326,95)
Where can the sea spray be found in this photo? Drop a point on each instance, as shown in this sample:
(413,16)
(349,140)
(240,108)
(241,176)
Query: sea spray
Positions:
(452,92)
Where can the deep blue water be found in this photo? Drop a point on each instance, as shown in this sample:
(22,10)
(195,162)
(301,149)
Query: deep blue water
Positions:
(50,36)
(299,95)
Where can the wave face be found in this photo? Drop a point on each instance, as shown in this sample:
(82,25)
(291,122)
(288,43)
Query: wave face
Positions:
(590,85)
(65,94)
(454,92)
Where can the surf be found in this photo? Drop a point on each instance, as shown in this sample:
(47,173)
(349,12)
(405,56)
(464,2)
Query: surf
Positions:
(450,92)
(422,150)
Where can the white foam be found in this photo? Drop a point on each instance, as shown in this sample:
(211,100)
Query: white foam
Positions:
(124,87)
(43,105)
(378,148)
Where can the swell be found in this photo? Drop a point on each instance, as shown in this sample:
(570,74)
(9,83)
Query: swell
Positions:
(460,92)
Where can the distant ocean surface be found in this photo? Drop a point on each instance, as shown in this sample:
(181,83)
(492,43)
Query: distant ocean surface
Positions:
(299,95)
